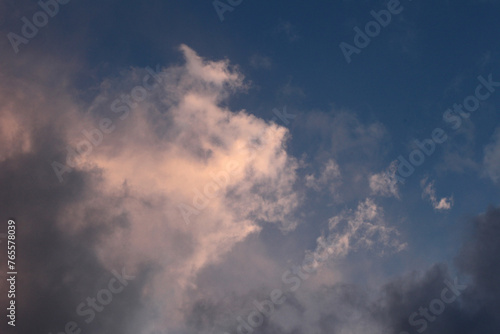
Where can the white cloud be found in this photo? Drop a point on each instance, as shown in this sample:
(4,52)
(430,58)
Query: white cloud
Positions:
(429,192)
(352,230)
(385,183)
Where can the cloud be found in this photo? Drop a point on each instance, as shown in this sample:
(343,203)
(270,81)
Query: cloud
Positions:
(329,177)
(357,146)
(352,230)
(346,135)
(385,183)
(170,151)
(60,267)
(459,153)
(477,259)
(288,29)
(258,61)
(428,191)
(289,90)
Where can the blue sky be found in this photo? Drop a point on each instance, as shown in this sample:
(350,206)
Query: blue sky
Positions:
(208,146)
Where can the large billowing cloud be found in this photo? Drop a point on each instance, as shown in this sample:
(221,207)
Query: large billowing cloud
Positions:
(190,177)
(155,173)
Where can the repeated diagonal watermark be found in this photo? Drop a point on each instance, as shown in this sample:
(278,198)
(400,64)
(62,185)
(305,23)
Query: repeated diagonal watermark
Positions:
(372,29)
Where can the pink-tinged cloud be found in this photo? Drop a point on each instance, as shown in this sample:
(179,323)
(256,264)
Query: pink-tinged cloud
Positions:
(191,177)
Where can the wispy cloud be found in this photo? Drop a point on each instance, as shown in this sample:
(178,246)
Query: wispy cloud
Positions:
(352,230)
(429,192)
(385,183)
(329,177)
(258,61)
(289,30)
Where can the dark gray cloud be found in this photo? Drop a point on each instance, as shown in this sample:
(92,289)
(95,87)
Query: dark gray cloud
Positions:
(58,270)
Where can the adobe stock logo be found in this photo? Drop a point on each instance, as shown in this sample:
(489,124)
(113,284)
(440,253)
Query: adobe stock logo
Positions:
(453,116)
(372,29)
(29,30)
(437,306)
(221,7)
(98,303)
